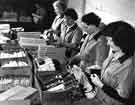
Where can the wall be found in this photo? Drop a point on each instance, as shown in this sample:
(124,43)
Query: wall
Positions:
(78,5)
(109,10)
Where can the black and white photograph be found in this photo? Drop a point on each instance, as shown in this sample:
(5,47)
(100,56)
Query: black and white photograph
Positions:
(67,52)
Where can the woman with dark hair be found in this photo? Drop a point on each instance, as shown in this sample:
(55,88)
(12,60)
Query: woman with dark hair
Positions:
(117,83)
(94,48)
(71,33)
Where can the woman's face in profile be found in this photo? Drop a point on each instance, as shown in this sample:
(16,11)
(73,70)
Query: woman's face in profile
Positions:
(112,44)
(68,20)
(88,28)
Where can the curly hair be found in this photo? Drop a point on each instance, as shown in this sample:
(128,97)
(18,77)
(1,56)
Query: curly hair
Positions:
(91,19)
(123,35)
(71,12)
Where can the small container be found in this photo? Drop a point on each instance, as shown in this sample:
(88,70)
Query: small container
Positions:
(60,97)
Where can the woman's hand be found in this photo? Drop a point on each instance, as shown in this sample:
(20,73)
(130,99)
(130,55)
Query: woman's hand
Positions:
(48,31)
(77,72)
(96,81)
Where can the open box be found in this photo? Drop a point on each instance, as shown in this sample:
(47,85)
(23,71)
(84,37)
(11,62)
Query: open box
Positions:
(18,96)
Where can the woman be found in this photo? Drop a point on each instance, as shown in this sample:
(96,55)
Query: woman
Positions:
(59,8)
(71,33)
(117,83)
(94,49)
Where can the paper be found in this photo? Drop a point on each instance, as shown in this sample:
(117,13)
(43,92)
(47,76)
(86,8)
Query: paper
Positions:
(5,95)
(17,93)
(52,52)
(35,35)
(23,94)
(56,88)
(31,41)
(4,28)
(3,39)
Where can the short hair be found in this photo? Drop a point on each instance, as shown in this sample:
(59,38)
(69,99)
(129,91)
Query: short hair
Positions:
(123,35)
(61,4)
(91,19)
(71,12)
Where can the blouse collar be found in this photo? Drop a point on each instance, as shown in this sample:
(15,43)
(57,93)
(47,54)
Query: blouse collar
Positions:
(120,56)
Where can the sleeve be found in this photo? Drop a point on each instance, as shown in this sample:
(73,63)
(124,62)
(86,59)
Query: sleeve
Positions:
(89,50)
(62,34)
(125,80)
(77,36)
(113,93)
(101,51)
(53,22)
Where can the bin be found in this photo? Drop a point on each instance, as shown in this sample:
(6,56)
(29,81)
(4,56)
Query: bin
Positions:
(60,97)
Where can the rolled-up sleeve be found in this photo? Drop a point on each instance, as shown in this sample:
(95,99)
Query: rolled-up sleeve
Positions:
(126,81)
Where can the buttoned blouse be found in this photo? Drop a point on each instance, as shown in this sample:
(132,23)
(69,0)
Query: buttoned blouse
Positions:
(93,51)
(71,35)
(118,75)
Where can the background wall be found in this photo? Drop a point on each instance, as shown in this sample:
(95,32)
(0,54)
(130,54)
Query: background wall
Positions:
(21,7)
(79,6)
(109,10)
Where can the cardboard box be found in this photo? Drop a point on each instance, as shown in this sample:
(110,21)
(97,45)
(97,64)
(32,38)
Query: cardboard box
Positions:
(15,102)
(19,96)
(18,93)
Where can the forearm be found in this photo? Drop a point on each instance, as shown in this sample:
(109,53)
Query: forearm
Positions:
(53,31)
(113,93)
(101,52)
(69,45)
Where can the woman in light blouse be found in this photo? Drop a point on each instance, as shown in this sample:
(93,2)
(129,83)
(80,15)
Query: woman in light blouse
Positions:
(117,82)
(94,49)
(59,8)
(71,33)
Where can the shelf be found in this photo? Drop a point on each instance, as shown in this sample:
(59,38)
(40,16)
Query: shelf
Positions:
(13,58)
